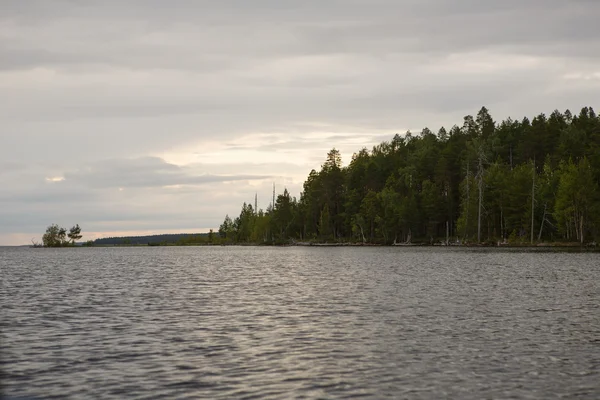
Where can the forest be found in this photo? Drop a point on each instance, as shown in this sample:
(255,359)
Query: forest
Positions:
(161,239)
(483,182)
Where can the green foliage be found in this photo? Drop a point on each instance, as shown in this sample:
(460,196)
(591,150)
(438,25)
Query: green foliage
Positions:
(56,236)
(227,229)
(481,181)
(74,233)
(577,200)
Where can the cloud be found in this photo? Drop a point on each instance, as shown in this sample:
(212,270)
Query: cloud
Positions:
(123,194)
(143,173)
(216,99)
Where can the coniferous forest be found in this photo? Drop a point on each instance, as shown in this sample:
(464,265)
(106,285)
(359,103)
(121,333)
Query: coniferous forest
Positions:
(515,181)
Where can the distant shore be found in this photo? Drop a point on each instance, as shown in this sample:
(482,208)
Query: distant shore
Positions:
(542,245)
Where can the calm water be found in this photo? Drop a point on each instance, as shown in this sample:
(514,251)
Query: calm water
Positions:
(247,322)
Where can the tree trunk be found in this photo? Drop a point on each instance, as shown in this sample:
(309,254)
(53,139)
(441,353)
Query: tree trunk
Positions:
(362,233)
(542,224)
(532,199)
(581,229)
(480,186)
(468,204)
(447,233)
(501,224)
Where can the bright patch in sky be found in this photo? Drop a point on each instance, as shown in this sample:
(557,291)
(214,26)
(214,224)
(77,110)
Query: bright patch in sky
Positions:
(55,179)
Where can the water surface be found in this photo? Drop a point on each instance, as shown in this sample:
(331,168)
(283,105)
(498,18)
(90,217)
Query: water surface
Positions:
(255,322)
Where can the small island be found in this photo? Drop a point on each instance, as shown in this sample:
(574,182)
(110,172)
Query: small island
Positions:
(57,236)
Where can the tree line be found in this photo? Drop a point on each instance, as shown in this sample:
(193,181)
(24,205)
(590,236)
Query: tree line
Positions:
(514,181)
(160,239)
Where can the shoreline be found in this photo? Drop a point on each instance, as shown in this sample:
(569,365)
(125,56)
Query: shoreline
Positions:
(544,245)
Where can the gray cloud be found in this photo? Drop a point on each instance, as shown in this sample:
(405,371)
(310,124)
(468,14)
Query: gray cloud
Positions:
(144,172)
(126,194)
(137,81)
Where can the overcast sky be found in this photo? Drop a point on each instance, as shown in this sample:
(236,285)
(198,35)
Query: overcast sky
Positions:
(138,117)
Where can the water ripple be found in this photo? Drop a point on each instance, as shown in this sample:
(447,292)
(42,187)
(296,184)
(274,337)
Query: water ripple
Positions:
(274,323)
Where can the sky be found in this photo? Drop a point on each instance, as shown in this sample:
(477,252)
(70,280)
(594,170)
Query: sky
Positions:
(143,117)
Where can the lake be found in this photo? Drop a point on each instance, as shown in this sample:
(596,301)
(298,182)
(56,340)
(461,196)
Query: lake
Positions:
(299,322)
